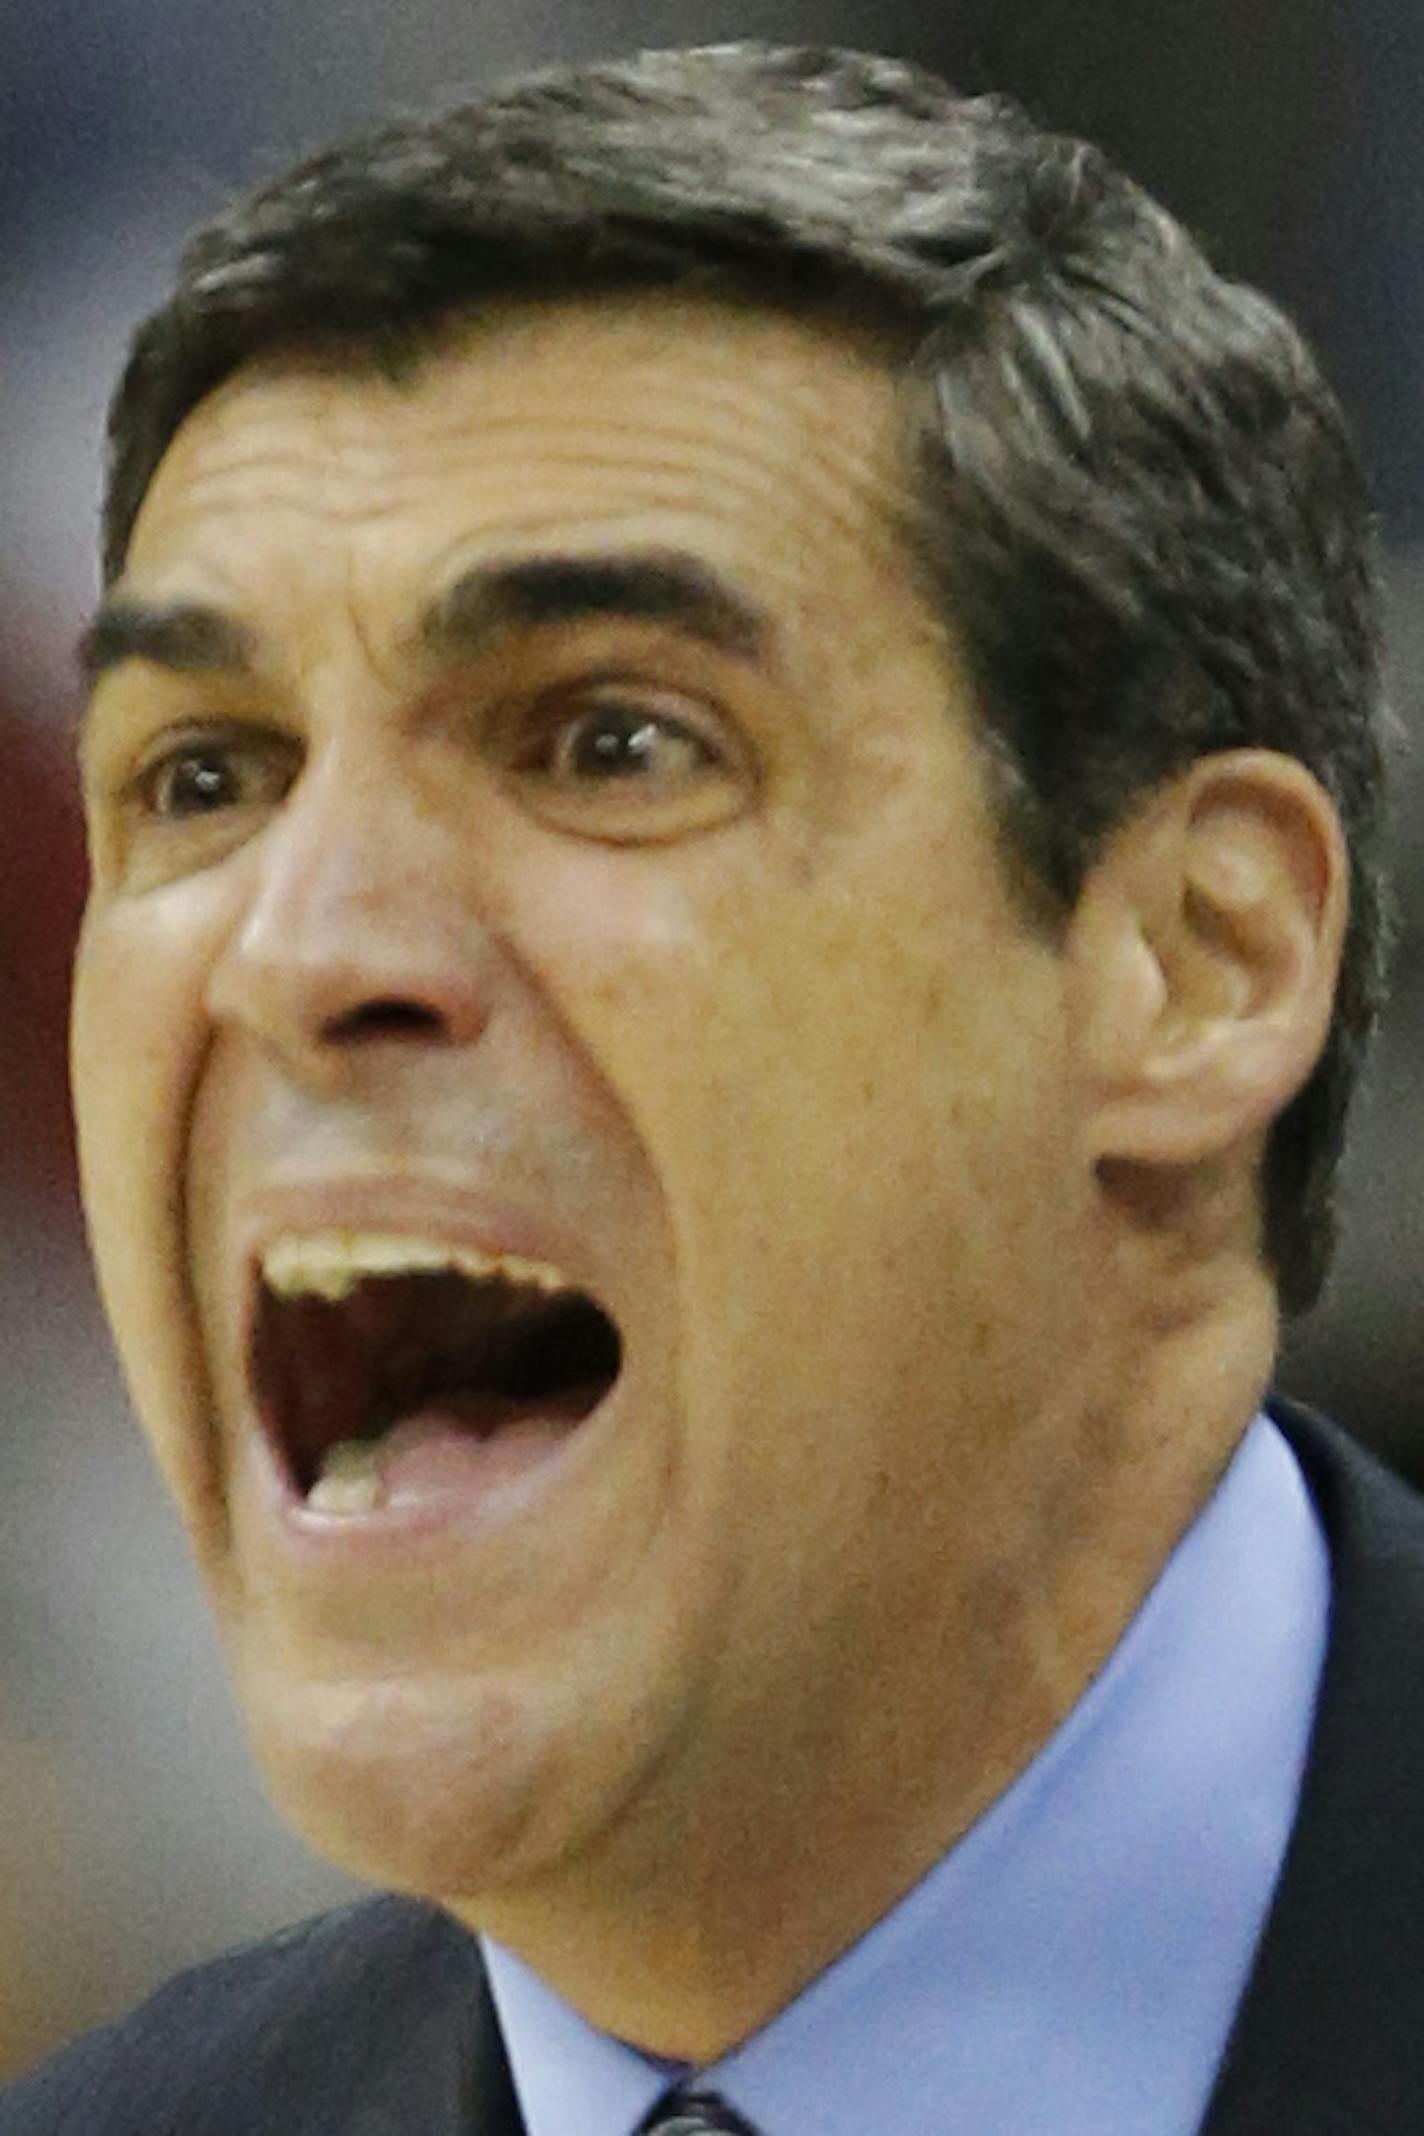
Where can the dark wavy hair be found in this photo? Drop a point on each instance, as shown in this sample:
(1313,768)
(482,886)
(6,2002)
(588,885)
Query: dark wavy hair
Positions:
(1131,489)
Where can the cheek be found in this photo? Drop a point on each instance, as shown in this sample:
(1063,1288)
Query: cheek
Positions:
(628,958)
(139,1040)
(839,1080)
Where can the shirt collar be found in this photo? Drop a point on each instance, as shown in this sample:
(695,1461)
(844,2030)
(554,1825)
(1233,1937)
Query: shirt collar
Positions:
(1075,1961)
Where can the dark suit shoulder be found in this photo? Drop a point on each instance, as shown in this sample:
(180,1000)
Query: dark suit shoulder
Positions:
(364,2022)
(1330,2035)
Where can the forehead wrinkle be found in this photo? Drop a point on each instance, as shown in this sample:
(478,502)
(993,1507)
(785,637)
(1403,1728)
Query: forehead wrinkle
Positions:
(848,484)
(774,521)
(777,454)
(724,363)
(315,456)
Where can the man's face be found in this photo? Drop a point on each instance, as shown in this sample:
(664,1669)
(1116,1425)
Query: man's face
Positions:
(535,816)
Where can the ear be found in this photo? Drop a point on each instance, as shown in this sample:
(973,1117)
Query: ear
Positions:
(1203,955)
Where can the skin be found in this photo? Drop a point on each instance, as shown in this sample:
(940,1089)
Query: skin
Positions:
(942,1305)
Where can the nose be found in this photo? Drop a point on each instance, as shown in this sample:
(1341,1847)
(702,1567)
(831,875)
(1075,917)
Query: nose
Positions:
(358,924)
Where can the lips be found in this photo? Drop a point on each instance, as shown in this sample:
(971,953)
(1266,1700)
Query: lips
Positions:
(368,1349)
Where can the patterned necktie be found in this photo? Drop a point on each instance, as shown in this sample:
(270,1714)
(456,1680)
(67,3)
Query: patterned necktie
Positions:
(695,2113)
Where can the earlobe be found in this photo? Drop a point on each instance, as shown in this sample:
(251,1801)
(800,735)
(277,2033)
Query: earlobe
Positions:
(1204,952)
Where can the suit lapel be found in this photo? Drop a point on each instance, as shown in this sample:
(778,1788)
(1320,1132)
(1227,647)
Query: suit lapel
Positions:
(1329,2040)
(428,2054)
(490,2105)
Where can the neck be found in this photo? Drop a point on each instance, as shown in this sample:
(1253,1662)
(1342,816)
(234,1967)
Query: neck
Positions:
(747,1867)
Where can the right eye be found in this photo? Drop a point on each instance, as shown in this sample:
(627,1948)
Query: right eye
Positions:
(210,774)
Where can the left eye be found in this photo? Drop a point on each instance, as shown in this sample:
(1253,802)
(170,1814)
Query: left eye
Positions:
(624,762)
(614,742)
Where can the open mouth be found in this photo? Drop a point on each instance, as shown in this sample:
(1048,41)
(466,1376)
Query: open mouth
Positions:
(360,1344)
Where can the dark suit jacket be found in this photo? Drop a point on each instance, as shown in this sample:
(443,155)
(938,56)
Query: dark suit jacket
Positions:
(377,2021)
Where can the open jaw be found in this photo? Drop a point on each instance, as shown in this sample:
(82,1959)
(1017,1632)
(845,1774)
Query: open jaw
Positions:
(363,1348)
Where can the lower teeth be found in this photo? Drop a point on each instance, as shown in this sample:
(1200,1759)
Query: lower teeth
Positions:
(350,1479)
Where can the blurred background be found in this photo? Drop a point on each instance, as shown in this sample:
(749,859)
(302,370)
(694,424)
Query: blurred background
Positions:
(133,1837)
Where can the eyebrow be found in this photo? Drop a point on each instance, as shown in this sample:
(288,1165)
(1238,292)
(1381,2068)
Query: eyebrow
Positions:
(647,586)
(653,586)
(187,636)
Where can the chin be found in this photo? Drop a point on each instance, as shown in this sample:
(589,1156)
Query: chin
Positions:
(439,1792)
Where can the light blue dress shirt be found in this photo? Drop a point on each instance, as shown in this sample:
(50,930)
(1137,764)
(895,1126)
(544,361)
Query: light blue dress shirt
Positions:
(1074,1963)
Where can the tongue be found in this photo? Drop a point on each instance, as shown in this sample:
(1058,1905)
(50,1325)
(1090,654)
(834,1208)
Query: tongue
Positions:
(459,1444)
(453,1444)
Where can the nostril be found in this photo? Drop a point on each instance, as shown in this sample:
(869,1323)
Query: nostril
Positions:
(386,1018)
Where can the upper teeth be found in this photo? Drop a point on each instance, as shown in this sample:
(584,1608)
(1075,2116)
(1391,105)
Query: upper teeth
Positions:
(330,1264)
